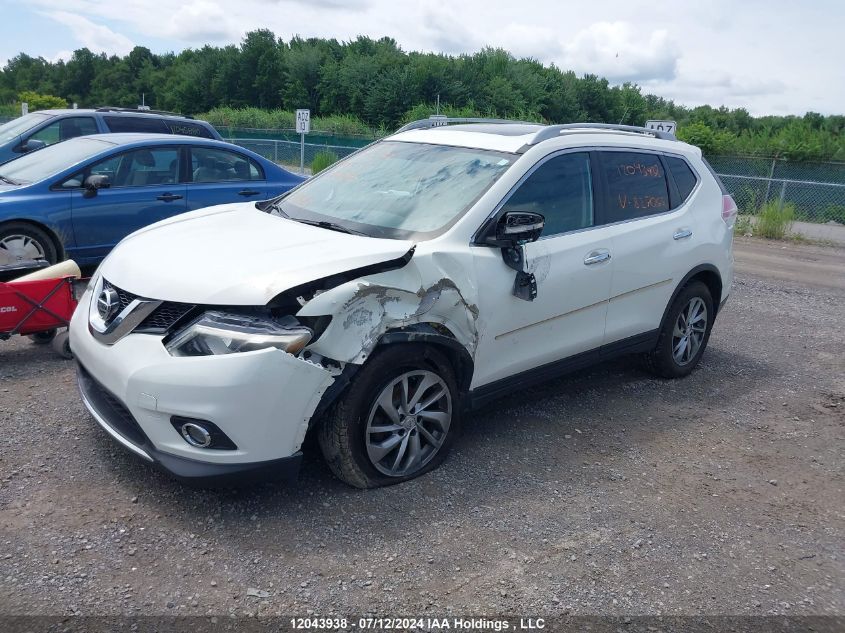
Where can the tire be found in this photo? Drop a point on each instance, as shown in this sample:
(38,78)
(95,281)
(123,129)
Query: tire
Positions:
(25,241)
(43,338)
(671,358)
(364,458)
(61,345)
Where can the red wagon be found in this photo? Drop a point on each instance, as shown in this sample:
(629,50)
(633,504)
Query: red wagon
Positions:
(39,309)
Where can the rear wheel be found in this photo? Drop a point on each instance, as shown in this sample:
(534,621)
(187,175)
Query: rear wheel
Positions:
(20,241)
(396,421)
(684,334)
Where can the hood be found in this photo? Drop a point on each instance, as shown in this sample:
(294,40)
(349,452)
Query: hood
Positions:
(236,255)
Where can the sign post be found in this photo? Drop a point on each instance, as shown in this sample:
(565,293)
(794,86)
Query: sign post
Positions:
(303,126)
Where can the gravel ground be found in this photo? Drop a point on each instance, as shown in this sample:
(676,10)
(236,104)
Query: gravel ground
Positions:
(607,492)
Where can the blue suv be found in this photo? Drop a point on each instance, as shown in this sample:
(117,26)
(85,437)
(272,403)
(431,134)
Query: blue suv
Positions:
(80,197)
(45,127)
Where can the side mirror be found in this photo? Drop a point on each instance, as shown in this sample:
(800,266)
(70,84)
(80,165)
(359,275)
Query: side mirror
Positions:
(32,144)
(94,183)
(517,227)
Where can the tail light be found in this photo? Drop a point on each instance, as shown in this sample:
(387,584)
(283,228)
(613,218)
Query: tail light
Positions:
(729,210)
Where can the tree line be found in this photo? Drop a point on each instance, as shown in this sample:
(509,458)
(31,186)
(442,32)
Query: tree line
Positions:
(379,85)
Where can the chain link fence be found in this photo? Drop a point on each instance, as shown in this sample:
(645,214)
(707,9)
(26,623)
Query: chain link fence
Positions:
(816,189)
(288,153)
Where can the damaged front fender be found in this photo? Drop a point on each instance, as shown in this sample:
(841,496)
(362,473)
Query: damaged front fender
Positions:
(424,291)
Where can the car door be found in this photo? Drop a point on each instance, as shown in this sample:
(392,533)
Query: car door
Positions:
(218,176)
(571,263)
(60,129)
(652,242)
(143,188)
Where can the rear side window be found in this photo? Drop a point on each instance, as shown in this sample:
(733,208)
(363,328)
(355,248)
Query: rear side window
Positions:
(146,124)
(218,165)
(187,129)
(561,191)
(682,175)
(636,185)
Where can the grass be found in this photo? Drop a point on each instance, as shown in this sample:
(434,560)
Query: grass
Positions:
(744,224)
(322,160)
(775,220)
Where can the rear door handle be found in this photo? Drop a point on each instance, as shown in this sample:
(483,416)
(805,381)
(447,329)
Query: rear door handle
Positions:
(248,192)
(682,234)
(168,197)
(597,257)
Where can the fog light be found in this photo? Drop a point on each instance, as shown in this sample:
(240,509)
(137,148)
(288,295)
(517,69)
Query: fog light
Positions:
(202,433)
(195,435)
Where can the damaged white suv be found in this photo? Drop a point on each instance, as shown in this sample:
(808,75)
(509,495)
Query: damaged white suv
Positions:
(446,265)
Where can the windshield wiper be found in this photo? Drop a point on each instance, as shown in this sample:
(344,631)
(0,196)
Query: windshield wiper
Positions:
(323,224)
(331,226)
(8,180)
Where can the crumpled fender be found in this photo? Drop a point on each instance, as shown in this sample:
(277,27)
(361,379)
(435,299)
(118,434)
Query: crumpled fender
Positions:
(423,291)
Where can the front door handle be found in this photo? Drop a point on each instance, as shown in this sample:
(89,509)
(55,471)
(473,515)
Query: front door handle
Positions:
(597,257)
(168,197)
(248,192)
(681,234)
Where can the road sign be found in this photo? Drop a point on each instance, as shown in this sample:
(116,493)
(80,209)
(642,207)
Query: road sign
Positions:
(303,126)
(303,121)
(662,126)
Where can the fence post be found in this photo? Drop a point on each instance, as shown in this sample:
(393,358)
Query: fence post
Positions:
(782,195)
(275,151)
(769,183)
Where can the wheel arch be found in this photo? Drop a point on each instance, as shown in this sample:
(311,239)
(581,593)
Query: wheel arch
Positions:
(48,231)
(437,335)
(707,274)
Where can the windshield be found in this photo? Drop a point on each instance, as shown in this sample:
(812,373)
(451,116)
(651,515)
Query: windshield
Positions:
(18,126)
(397,189)
(51,160)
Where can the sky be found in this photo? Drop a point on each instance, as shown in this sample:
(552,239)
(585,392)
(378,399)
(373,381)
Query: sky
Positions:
(770,57)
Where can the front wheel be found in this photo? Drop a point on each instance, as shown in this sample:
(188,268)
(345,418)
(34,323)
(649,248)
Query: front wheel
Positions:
(20,241)
(396,421)
(684,334)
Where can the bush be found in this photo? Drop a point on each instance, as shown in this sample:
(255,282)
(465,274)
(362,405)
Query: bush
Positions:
(774,220)
(322,160)
(36,101)
(258,119)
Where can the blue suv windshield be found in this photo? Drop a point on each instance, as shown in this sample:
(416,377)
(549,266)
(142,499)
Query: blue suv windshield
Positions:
(51,160)
(18,126)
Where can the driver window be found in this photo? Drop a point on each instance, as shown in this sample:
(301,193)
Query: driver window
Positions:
(561,190)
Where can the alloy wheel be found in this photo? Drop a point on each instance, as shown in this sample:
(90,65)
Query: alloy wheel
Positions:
(408,423)
(690,329)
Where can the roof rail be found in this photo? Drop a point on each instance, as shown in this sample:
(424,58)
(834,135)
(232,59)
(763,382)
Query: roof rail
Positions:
(553,131)
(138,111)
(439,121)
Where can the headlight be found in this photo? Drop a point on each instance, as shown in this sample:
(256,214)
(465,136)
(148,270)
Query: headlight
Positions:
(220,333)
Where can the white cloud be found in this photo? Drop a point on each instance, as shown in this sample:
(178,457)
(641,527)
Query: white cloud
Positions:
(202,20)
(97,37)
(622,51)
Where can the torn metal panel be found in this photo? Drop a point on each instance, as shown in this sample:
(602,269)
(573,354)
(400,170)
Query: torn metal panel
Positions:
(424,291)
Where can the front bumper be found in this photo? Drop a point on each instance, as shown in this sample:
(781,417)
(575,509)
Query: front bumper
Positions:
(263,401)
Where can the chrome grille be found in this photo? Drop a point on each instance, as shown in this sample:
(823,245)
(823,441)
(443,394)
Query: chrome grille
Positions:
(161,319)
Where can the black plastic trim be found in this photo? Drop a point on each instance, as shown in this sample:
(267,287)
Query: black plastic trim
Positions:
(710,268)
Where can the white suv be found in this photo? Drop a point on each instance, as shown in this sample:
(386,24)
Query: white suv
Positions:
(451,263)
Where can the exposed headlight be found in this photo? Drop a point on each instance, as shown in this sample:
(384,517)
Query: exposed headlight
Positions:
(220,333)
